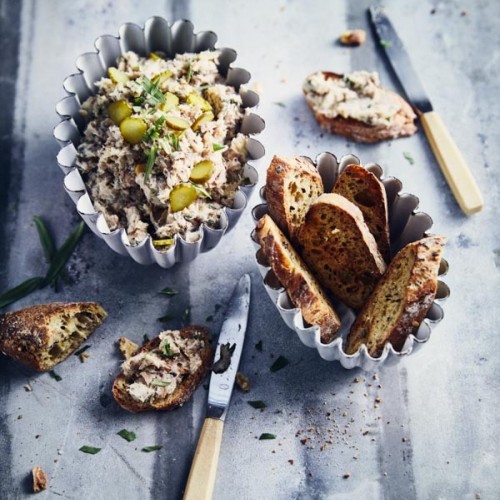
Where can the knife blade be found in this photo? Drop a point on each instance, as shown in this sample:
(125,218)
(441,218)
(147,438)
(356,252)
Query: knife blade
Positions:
(201,480)
(448,156)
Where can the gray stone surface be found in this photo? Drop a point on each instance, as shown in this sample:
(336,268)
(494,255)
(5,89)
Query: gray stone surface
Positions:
(433,435)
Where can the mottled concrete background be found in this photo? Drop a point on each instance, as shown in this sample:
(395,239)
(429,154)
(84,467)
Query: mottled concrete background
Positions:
(432,433)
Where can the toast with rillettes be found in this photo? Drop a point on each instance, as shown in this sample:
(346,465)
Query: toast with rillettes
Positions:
(356,106)
(340,250)
(292,183)
(302,287)
(43,335)
(362,188)
(165,371)
(401,299)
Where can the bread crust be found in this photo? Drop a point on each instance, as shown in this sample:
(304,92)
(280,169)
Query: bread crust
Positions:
(362,132)
(185,389)
(29,335)
(292,184)
(302,288)
(339,248)
(363,188)
(418,292)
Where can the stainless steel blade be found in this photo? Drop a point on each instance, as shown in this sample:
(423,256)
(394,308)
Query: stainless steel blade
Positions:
(232,332)
(399,60)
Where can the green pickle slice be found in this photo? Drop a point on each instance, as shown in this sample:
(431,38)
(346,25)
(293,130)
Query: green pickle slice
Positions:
(202,171)
(177,123)
(118,111)
(196,100)
(207,116)
(117,75)
(133,129)
(181,197)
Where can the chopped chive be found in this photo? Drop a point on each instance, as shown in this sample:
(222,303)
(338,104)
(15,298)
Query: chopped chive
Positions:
(150,162)
(167,317)
(90,450)
(160,383)
(279,364)
(127,435)
(385,43)
(217,147)
(258,346)
(149,449)
(266,435)
(409,158)
(55,376)
(48,246)
(20,291)
(82,350)
(169,292)
(210,318)
(280,104)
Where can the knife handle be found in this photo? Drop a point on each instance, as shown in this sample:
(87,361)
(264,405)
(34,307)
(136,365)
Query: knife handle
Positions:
(201,480)
(452,163)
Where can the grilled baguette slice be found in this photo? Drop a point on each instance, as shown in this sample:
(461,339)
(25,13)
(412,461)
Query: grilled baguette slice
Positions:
(339,248)
(43,335)
(164,372)
(302,288)
(401,125)
(401,299)
(291,185)
(362,188)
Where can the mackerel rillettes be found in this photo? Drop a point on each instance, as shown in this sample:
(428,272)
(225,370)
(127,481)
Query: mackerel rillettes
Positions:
(162,152)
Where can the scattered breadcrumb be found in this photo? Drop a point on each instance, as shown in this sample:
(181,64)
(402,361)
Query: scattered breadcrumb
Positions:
(127,347)
(353,38)
(84,356)
(290,462)
(347,475)
(27,388)
(39,479)
(257,88)
(243,382)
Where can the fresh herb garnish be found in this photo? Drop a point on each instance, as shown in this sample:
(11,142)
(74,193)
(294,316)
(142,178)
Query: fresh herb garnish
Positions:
(209,318)
(82,350)
(279,364)
(149,449)
(49,249)
(266,435)
(201,191)
(258,405)
(409,158)
(169,292)
(127,435)
(385,43)
(90,450)
(55,376)
(151,155)
(155,95)
(167,350)
(280,104)
(258,346)
(154,131)
(159,383)
(20,291)
(217,147)
(62,255)
(189,73)
(202,87)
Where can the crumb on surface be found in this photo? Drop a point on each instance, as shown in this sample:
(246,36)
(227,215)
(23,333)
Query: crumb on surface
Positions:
(39,479)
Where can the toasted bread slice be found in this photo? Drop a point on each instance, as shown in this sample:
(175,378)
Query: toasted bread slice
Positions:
(164,372)
(355,106)
(302,288)
(362,188)
(339,248)
(401,299)
(42,336)
(292,184)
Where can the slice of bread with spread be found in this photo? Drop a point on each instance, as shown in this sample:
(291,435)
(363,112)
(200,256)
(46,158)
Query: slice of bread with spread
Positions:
(302,287)
(356,106)
(401,299)
(292,184)
(43,335)
(362,188)
(165,371)
(339,248)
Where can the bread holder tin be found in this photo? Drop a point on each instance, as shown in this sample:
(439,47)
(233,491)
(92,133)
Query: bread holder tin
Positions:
(156,35)
(406,224)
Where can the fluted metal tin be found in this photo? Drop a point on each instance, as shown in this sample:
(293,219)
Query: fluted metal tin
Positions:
(406,225)
(156,35)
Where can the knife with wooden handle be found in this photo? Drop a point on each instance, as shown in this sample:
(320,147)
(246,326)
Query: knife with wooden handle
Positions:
(201,480)
(448,156)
